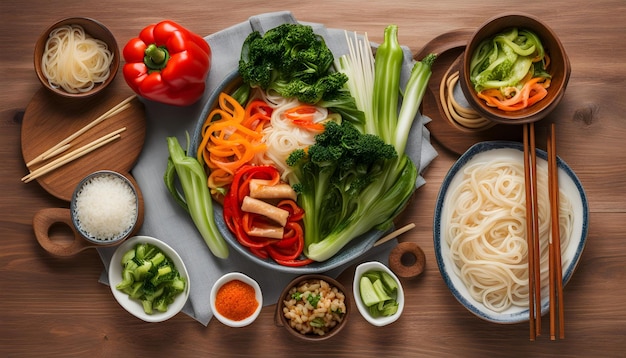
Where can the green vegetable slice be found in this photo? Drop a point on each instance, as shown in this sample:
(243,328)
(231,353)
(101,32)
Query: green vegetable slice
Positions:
(368,293)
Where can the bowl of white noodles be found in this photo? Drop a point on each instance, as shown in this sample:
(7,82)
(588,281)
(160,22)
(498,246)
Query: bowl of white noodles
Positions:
(480,230)
(76,57)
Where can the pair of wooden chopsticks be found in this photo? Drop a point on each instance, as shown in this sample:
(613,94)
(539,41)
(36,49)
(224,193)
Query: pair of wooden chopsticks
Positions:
(532,229)
(65,144)
(556,274)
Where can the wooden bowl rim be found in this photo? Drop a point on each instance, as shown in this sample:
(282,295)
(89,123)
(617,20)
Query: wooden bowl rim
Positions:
(95,29)
(558,85)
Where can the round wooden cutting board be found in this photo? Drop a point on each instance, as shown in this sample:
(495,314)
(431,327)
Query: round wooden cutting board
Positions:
(49,119)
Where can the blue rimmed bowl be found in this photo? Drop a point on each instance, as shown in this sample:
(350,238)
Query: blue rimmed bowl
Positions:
(568,183)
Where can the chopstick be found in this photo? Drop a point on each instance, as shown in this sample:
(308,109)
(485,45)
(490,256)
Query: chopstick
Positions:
(392,235)
(65,143)
(85,149)
(532,231)
(556,275)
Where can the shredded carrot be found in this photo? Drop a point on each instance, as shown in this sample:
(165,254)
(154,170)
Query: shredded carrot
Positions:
(304,116)
(232,137)
(531,92)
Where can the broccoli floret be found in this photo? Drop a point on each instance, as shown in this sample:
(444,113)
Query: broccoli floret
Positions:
(332,173)
(291,60)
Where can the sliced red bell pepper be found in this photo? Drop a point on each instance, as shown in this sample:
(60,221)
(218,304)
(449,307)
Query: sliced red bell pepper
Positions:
(167,63)
(285,251)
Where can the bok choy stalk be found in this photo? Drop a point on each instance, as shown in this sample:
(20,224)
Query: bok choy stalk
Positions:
(392,181)
(197,198)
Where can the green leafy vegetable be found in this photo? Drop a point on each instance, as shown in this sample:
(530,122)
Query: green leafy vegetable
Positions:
(506,59)
(314,299)
(151,277)
(348,192)
(318,322)
(293,61)
(333,173)
(197,198)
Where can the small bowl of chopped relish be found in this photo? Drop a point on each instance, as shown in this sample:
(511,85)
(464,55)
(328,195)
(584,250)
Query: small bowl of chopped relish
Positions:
(313,307)
(149,279)
(236,299)
(515,69)
(378,293)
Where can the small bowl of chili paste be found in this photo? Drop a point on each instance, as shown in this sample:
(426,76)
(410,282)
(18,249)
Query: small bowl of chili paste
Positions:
(236,299)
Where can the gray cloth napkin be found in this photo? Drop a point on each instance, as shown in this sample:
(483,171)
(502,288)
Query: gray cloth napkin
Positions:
(166,221)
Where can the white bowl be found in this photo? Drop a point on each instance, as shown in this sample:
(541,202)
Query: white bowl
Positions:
(134,306)
(568,182)
(246,279)
(376,321)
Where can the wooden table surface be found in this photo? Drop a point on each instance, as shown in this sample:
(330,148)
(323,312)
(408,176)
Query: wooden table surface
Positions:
(56,307)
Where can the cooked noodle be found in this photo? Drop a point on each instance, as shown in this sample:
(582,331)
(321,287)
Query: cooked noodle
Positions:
(74,61)
(486,231)
(283,137)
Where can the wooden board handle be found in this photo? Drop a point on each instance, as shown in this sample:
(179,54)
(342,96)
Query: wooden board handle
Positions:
(43,222)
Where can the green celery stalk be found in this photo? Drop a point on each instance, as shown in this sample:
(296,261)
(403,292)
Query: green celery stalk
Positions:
(193,181)
(387,66)
(413,95)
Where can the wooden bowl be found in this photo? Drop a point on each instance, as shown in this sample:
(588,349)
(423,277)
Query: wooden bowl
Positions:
(94,29)
(281,320)
(559,68)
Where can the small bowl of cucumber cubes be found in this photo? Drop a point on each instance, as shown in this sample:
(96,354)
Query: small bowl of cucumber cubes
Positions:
(378,293)
(149,279)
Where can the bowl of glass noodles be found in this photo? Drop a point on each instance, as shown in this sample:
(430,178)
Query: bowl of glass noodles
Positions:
(76,57)
(480,225)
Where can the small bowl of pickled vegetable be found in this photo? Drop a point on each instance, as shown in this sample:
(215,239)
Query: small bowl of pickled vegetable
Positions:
(515,69)
(236,299)
(149,279)
(378,293)
(313,307)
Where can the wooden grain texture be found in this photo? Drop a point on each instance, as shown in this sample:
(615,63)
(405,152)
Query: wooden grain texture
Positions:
(56,307)
(49,119)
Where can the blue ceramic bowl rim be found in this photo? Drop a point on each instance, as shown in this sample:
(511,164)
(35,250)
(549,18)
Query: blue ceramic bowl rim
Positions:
(567,274)
(350,252)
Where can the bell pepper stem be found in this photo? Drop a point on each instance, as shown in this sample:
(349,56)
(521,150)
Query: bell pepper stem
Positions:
(156,57)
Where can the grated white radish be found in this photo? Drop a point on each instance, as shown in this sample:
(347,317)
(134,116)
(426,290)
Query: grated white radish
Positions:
(105,208)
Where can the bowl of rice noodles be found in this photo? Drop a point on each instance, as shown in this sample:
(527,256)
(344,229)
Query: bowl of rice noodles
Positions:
(76,57)
(480,230)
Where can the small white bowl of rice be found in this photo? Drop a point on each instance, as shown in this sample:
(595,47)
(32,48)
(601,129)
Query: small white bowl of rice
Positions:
(105,207)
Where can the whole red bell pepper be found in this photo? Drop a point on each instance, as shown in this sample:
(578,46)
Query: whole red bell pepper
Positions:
(167,63)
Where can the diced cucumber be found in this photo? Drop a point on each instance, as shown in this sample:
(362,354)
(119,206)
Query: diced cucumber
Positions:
(150,277)
(379,288)
(373,275)
(128,257)
(378,292)
(368,293)
(390,283)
